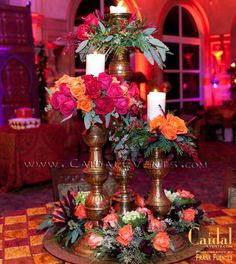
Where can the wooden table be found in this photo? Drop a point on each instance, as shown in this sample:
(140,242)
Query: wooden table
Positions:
(20,242)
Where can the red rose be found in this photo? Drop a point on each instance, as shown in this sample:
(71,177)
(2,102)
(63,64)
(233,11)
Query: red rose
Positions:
(121,105)
(133,91)
(92,86)
(82,31)
(80,212)
(139,200)
(110,219)
(114,90)
(91,19)
(105,79)
(103,105)
(64,89)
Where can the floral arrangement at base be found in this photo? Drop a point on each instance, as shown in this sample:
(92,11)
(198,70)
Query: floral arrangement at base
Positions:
(133,237)
(68,220)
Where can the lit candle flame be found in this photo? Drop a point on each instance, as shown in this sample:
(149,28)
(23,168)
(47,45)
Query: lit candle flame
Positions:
(233,65)
(120,4)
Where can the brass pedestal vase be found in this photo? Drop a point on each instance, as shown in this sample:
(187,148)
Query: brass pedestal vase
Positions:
(120,66)
(97,202)
(157,167)
(123,201)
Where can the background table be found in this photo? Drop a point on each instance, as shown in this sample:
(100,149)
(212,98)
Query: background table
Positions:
(26,155)
(21,243)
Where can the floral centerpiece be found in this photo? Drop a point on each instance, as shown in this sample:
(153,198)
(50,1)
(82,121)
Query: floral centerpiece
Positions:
(116,35)
(99,98)
(165,132)
(133,237)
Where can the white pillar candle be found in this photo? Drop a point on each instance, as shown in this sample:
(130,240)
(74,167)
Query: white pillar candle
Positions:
(154,99)
(118,9)
(95,64)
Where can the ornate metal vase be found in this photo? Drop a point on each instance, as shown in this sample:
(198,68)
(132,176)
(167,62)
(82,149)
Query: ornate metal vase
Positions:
(157,167)
(120,66)
(123,201)
(97,202)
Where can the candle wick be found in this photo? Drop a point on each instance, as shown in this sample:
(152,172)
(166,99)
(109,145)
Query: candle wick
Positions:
(163,112)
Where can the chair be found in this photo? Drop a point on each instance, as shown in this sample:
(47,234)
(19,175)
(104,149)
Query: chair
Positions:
(73,179)
(214,123)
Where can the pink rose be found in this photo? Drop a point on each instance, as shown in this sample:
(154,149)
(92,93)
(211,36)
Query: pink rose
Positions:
(189,215)
(103,105)
(105,79)
(133,91)
(185,194)
(91,19)
(56,99)
(110,219)
(64,89)
(68,106)
(82,31)
(94,240)
(146,211)
(121,105)
(114,90)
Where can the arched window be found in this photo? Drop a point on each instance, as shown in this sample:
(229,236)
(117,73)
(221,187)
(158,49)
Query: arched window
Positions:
(180,34)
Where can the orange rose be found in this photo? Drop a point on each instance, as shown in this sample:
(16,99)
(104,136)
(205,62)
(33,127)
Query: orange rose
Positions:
(94,240)
(169,132)
(155,225)
(157,122)
(77,90)
(125,235)
(88,225)
(85,104)
(185,194)
(64,79)
(139,200)
(189,215)
(80,211)
(177,123)
(110,219)
(161,242)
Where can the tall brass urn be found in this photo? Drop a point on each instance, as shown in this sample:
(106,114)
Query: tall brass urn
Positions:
(97,202)
(157,166)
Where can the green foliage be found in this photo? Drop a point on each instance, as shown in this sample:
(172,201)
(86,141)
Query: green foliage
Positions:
(117,35)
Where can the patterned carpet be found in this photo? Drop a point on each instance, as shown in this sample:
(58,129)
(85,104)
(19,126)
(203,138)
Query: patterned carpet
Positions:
(207,182)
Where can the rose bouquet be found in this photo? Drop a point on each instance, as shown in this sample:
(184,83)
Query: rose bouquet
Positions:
(68,219)
(116,35)
(185,212)
(165,132)
(99,98)
(133,237)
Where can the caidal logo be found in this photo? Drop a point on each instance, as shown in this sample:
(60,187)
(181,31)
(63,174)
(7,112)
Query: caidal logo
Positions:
(195,237)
